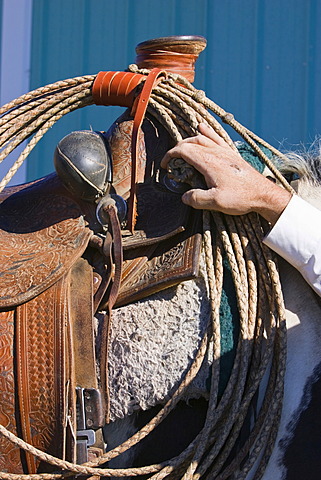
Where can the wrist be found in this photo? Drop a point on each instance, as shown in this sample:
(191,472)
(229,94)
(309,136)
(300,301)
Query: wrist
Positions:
(272,201)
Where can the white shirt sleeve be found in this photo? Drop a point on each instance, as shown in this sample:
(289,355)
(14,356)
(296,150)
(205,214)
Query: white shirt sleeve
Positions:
(296,237)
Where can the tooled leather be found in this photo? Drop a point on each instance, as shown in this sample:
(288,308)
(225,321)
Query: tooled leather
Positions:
(42,233)
(169,263)
(120,137)
(41,372)
(159,210)
(40,339)
(24,394)
(161,215)
(10,460)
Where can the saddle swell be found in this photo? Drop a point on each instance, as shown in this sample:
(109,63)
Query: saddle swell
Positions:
(165,247)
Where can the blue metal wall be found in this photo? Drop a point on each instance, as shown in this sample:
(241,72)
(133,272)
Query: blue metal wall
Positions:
(1,7)
(263,60)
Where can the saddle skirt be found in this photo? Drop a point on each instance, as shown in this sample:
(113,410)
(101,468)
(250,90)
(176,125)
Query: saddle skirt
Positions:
(42,233)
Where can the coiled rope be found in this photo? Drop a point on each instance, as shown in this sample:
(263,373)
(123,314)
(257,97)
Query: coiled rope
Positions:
(261,348)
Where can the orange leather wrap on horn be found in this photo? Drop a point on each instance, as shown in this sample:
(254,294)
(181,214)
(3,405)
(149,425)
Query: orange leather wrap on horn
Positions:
(175,62)
(116,88)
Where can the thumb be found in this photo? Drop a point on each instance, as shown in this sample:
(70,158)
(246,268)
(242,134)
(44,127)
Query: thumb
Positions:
(199,199)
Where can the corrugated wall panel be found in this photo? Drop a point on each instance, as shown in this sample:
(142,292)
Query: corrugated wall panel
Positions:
(262,61)
(1,7)
(14,65)
(285,71)
(313,90)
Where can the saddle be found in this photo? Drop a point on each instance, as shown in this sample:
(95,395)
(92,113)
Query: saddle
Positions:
(62,267)
(53,265)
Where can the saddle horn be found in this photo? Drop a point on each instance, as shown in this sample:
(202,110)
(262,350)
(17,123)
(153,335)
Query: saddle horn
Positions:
(176,54)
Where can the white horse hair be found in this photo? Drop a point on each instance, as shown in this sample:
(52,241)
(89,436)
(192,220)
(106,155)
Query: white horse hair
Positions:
(305,164)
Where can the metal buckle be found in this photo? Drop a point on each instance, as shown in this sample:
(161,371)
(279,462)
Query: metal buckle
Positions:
(90,417)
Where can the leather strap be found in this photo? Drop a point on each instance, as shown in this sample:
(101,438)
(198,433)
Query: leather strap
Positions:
(140,107)
(105,278)
(112,293)
(175,62)
(116,88)
(117,255)
(81,321)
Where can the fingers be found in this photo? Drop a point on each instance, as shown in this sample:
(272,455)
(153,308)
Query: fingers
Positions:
(193,154)
(199,199)
(190,148)
(210,133)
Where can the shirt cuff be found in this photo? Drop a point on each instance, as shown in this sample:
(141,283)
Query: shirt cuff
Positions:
(296,237)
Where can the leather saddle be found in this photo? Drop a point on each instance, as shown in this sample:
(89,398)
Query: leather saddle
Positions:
(56,275)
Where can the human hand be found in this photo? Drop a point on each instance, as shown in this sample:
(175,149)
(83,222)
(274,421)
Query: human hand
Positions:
(234,186)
